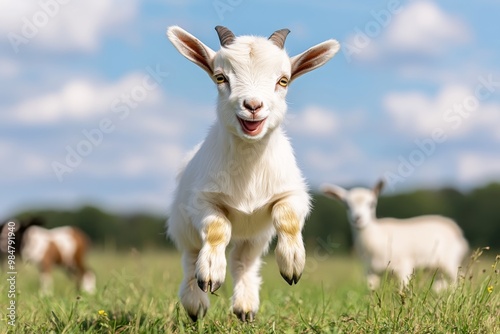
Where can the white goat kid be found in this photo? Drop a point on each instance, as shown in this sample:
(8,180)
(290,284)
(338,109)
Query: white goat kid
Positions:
(400,245)
(242,184)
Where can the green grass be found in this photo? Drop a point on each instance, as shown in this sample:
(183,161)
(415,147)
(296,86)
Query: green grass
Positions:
(138,294)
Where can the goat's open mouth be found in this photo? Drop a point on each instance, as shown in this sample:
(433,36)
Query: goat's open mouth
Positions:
(252,128)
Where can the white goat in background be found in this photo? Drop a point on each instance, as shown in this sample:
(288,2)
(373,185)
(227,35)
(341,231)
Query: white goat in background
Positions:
(242,184)
(400,245)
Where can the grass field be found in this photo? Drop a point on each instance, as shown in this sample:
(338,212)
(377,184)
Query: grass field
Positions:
(137,293)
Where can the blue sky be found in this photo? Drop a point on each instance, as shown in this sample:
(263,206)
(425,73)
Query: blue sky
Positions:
(97,107)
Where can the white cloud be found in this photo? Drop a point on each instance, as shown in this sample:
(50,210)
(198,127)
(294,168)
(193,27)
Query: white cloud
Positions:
(9,68)
(313,121)
(415,111)
(478,167)
(82,99)
(65,25)
(419,28)
(161,159)
(13,11)
(20,162)
(455,109)
(423,27)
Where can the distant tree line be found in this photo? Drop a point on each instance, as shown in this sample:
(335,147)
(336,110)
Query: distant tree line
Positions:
(326,231)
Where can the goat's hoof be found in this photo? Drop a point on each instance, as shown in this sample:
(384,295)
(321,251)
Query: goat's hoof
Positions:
(206,285)
(198,315)
(214,286)
(194,317)
(245,316)
(291,280)
(203,285)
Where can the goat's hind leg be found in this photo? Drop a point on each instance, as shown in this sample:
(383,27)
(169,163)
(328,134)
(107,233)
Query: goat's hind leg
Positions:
(194,300)
(85,278)
(245,265)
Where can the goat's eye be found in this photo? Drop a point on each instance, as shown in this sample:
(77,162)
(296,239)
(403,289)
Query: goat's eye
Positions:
(220,78)
(283,82)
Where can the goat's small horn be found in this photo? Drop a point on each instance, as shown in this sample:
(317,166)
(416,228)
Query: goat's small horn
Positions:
(278,37)
(226,37)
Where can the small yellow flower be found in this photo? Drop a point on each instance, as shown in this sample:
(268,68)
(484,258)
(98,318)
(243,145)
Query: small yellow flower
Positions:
(102,313)
(490,289)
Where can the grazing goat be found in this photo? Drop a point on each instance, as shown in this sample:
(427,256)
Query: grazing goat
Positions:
(65,246)
(400,245)
(242,184)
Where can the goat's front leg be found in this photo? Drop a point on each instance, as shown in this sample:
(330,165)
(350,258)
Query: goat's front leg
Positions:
(46,276)
(404,272)
(211,264)
(290,251)
(372,280)
(45,283)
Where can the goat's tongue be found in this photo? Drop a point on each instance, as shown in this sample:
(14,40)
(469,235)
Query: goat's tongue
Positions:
(251,126)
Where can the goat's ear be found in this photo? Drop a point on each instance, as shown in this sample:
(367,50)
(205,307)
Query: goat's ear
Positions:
(192,48)
(336,192)
(378,187)
(313,58)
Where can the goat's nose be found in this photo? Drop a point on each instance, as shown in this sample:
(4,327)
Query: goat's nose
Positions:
(253,105)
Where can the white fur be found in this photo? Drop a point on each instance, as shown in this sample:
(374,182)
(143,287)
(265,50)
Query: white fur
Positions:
(400,245)
(88,283)
(37,240)
(236,178)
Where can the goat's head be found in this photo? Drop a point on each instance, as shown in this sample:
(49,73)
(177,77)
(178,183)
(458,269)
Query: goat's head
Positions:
(252,75)
(361,203)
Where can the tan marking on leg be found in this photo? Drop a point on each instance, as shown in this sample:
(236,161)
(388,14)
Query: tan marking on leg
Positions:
(285,220)
(217,232)
(52,257)
(290,252)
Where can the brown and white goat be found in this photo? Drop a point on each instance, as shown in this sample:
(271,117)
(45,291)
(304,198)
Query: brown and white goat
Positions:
(64,246)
